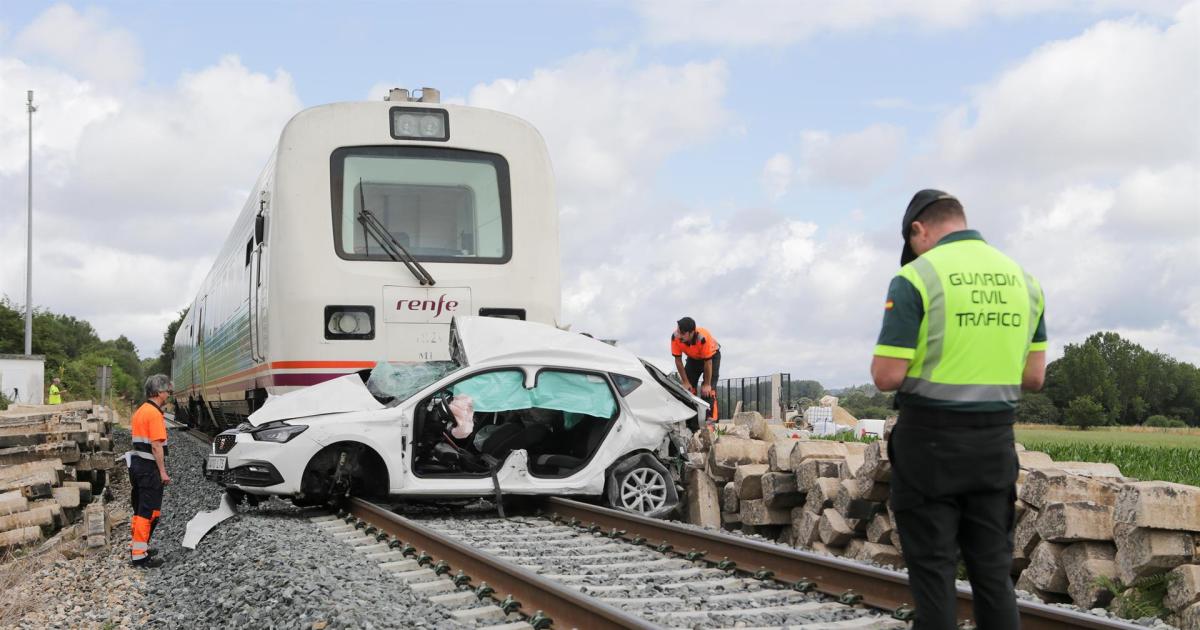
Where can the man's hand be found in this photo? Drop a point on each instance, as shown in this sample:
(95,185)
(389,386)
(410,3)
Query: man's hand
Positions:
(166,479)
(706,391)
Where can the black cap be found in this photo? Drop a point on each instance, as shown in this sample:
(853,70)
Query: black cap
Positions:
(923,199)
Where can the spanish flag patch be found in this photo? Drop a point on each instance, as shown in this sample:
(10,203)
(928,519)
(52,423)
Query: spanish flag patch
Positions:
(887,306)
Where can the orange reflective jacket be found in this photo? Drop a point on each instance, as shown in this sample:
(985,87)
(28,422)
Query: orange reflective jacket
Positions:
(703,346)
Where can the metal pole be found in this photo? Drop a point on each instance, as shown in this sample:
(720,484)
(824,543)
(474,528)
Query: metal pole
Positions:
(29,243)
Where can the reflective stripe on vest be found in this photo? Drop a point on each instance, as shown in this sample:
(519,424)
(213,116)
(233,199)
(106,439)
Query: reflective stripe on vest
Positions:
(141,448)
(981,312)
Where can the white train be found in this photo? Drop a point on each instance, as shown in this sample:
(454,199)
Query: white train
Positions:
(372,225)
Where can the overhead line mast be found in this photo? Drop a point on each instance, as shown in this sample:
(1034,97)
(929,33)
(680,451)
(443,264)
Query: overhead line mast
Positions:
(29,243)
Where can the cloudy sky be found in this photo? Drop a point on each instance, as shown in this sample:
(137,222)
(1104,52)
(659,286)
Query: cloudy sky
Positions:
(744,162)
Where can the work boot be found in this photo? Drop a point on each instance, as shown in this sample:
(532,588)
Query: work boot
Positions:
(148,563)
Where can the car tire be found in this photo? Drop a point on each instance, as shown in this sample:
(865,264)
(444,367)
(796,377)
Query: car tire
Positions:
(642,485)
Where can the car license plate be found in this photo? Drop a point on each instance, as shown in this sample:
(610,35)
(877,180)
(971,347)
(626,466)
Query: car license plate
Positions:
(216,463)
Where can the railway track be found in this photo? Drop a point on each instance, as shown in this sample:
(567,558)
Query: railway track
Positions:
(577,565)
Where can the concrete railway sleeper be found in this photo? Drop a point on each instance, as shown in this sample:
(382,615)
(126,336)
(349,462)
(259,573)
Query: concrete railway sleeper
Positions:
(544,574)
(846,580)
(578,565)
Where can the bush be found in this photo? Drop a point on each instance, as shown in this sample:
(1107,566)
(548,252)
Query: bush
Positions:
(4,402)
(1165,422)
(1083,412)
(1035,408)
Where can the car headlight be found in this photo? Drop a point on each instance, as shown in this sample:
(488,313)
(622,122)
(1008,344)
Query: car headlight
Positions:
(279,433)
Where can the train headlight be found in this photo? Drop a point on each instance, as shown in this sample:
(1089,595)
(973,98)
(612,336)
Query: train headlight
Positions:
(349,322)
(420,123)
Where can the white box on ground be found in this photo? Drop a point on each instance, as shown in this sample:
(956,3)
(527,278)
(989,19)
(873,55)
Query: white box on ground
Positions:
(870,426)
(22,378)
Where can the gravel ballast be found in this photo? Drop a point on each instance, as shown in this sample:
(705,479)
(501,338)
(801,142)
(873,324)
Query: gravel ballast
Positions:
(266,567)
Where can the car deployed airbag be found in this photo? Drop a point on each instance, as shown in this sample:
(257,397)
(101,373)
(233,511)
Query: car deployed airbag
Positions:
(570,392)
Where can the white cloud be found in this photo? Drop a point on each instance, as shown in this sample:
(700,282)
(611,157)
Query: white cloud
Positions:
(189,152)
(850,160)
(83,42)
(1123,93)
(779,294)
(65,107)
(777,175)
(134,187)
(1085,158)
(782,22)
(609,122)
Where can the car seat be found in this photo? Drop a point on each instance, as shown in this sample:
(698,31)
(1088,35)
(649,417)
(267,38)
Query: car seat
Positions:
(500,440)
(587,439)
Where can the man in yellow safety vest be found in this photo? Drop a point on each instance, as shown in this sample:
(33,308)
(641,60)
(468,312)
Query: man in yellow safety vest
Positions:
(963,333)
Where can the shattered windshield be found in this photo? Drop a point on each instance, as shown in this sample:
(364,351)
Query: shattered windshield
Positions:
(402,381)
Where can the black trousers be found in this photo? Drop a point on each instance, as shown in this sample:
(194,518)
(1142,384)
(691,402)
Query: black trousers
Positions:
(146,490)
(694,369)
(953,489)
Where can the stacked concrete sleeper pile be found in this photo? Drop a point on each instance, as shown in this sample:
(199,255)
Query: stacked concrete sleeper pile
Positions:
(1076,521)
(54,463)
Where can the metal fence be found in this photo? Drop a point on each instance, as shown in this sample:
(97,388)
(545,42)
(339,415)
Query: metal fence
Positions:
(754,392)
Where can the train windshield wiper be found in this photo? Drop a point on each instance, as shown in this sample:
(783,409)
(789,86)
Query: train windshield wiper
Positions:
(373,226)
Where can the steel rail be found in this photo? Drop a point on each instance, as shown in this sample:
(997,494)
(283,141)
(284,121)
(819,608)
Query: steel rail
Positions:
(879,588)
(567,608)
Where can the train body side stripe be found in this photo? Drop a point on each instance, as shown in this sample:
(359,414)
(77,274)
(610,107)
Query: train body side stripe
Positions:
(292,365)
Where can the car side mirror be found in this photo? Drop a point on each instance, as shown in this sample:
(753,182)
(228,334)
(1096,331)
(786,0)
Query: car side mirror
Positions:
(260,229)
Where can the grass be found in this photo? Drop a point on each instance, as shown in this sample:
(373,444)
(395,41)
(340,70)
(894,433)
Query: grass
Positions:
(846,436)
(1142,436)
(1147,454)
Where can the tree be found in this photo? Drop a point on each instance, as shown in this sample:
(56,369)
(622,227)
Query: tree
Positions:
(1130,382)
(798,390)
(73,352)
(1037,408)
(166,352)
(865,401)
(1083,412)
(1165,422)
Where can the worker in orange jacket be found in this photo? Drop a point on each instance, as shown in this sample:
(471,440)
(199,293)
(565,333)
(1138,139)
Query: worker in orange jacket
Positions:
(148,469)
(703,359)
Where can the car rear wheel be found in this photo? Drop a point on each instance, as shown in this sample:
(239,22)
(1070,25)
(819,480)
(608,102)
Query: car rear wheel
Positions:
(643,490)
(642,485)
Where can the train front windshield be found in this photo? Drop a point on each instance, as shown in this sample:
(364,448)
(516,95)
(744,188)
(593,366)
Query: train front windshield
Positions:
(442,205)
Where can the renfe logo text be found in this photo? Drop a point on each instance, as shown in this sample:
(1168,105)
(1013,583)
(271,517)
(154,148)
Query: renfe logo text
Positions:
(442,305)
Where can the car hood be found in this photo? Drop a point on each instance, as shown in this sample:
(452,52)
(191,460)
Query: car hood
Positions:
(340,395)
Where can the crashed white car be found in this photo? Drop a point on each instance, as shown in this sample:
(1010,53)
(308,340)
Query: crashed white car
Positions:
(522,409)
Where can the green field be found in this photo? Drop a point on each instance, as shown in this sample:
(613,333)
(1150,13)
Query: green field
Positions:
(1160,454)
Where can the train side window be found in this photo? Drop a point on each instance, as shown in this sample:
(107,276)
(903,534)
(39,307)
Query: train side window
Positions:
(249,250)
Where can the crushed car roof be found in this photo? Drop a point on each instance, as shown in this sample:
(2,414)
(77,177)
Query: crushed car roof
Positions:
(495,340)
(475,342)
